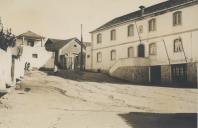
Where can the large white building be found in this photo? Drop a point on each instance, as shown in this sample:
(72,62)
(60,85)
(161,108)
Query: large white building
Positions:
(154,44)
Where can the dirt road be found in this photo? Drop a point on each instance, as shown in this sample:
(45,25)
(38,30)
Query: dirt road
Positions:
(90,100)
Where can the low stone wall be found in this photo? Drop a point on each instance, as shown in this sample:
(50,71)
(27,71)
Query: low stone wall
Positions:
(192,73)
(135,74)
(166,74)
(140,74)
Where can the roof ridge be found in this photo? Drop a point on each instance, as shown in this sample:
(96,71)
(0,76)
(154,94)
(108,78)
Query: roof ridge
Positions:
(148,10)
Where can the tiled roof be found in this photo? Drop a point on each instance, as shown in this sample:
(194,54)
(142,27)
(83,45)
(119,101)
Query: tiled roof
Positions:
(56,44)
(137,14)
(30,34)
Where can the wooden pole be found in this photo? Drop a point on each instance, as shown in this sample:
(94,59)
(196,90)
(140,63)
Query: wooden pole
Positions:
(167,53)
(183,51)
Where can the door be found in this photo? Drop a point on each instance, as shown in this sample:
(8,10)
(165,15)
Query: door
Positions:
(69,62)
(63,62)
(141,50)
(155,73)
(179,73)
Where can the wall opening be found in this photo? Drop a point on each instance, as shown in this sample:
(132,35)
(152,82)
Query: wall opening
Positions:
(141,50)
(179,73)
(155,74)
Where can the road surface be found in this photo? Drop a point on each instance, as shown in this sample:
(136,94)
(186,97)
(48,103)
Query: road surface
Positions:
(91,100)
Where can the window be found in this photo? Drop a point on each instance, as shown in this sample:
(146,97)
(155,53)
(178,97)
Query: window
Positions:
(152,25)
(130,52)
(178,45)
(99,38)
(179,73)
(177,18)
(113,34)
(99,57)
(141,29)
(131,30)
(30,43)
(113,54)
(152,49)
(34,55)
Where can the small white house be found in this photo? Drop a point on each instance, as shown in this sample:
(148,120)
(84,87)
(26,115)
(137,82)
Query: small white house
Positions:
(32,50)
(66,53)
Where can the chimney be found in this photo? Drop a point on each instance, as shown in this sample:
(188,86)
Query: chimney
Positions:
(142,10)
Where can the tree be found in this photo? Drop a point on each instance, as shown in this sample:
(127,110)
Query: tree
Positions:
(7,39)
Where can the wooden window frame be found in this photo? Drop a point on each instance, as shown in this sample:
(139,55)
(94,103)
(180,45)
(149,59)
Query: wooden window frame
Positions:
(174,45)
(113,34)
(129,55)
(35,55)
(130,31)
(177,18)
(150,51)
(152,26)
(113,58)
(99,38)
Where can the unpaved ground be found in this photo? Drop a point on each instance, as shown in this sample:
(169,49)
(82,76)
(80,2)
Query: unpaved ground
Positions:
(89,100)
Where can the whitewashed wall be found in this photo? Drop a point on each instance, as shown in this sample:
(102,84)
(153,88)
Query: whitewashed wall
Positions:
(43,56)
(188,31)
(88,58)
(28,51)
(5,68)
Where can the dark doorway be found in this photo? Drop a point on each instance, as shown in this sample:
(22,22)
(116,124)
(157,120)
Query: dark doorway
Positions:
(179,73)
(56,55)
(63,62)
(155,74)
(12,68)
(141,50)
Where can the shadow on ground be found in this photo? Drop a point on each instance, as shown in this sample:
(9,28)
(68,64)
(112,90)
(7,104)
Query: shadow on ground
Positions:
(83,76)
(160,120)
(2,94)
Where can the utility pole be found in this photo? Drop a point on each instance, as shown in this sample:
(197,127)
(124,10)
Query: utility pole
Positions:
(186,59)
(81,51)
(166,52)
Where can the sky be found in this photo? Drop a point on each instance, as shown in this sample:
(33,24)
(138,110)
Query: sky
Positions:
(61,19)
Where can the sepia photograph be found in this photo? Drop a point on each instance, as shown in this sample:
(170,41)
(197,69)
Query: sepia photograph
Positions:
(98,63)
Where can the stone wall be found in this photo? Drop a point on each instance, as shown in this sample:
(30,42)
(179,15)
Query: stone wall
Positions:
(192,73)
(135,74)
(166,74)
